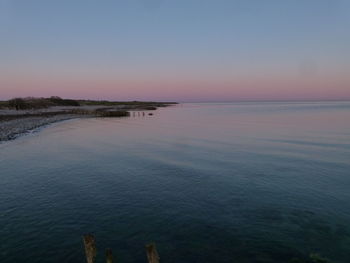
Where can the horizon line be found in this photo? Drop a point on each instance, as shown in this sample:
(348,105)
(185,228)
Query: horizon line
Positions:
(200,101)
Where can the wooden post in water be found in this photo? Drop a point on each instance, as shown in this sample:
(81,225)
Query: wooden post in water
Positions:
(152,254)
(109,256)
(90,248)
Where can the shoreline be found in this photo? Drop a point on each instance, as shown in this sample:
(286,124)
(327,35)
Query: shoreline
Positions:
(13,129)
(16,123)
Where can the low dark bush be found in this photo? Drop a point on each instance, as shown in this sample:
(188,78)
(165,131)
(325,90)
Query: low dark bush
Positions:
(149,108)
(18,104)
(63,102)
(113,113)
(4,104)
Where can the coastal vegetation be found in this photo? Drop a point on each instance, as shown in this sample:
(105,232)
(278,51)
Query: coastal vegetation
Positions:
(3,104)
(20,115)
(39,103)
(128,103)
(42,103)
(100,112)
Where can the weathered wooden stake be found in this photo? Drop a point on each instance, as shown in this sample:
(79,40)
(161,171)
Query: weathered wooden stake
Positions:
(152,253)
(90,248)
(109,256)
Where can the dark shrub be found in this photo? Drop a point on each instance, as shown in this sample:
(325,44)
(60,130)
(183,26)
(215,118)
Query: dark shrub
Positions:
(63,102)
(37,103)
(113,113)
(4,104)
(18,104)
(149,108)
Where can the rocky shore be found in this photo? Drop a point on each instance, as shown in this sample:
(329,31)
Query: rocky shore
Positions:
(14,123)
(11,129)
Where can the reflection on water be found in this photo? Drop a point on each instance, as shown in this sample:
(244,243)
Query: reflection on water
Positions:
(230,182)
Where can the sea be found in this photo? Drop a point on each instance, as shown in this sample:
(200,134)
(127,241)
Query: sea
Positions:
(241,182)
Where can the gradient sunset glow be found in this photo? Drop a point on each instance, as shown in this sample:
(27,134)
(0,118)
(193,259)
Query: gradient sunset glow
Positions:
(182,50)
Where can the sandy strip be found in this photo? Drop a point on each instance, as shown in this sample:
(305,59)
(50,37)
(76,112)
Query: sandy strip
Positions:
(12,126)
(11,129)
(15,123)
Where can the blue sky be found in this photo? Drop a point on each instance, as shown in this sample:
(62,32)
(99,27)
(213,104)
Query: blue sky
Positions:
(175,49)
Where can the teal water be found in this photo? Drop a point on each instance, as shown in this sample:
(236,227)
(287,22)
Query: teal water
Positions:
(225,182)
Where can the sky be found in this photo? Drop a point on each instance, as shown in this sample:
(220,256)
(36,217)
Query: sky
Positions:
(175,50)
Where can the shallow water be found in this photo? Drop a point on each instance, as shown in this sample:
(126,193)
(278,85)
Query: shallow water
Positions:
(225,182)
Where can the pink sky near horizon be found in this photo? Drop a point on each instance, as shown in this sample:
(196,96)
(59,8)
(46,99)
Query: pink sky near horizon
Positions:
(176,50)
(261,87)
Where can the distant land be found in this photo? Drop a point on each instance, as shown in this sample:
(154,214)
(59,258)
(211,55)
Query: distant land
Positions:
(22,115)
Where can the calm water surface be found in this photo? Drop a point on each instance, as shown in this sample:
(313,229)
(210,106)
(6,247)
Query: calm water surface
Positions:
(239,182)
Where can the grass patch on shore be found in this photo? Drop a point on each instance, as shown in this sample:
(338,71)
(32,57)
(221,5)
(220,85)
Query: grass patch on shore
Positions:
(42,103)
(126,103)
(3,104)
(38,103)
(100,112)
